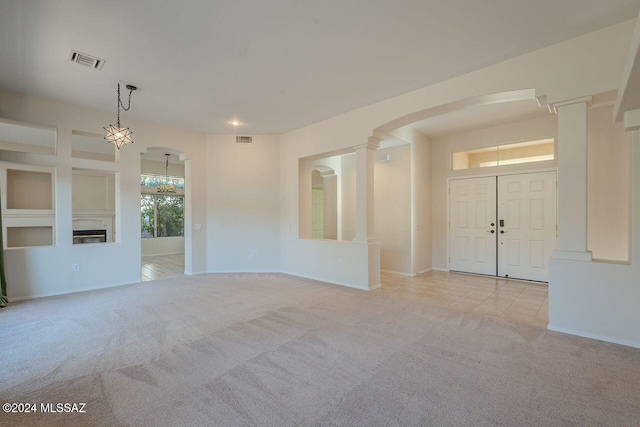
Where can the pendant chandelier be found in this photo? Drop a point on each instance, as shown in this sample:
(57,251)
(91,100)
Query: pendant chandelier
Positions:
(116,134)
(166,188)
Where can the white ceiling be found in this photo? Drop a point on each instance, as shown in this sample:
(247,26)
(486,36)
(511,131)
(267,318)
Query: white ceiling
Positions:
(274,65)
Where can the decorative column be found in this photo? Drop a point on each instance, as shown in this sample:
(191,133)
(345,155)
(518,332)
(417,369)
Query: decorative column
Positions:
(572,180)
(364,210)
(364,190)
(632,125)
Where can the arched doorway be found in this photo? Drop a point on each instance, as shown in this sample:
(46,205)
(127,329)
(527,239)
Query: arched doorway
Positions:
(164,206)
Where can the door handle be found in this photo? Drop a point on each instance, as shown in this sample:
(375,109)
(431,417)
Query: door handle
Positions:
(491,231)
(502,232)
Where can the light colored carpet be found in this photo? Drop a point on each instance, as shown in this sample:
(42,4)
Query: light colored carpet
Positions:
(271,349)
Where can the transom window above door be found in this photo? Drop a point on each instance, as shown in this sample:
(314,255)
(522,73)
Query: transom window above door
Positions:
(504,154)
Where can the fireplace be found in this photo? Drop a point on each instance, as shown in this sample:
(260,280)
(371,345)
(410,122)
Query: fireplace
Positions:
(89,236)
(93,229)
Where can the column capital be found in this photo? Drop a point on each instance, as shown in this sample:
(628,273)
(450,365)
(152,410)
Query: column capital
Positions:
(585,99)
(631,120)
(372,144)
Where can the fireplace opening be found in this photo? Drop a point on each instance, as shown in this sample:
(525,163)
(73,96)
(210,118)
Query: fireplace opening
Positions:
(89,236)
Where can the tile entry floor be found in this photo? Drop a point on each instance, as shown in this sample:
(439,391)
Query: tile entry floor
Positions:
(519,301)
(162,266)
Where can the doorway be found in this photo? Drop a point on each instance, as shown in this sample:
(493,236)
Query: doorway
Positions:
(503,225)
(162,214)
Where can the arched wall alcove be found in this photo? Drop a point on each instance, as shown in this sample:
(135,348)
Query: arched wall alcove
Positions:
(324,204)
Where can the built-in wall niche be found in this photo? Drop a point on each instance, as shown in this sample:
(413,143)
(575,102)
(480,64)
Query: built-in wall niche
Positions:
(326,195)
(28,189)
(28,205)
(92,146)
(20,237)
(27,138)
(93,203)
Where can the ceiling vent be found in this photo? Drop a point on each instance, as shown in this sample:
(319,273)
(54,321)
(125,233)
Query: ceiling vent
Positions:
(244,139)
(86,60)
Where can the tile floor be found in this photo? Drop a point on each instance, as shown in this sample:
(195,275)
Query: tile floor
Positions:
(162,266)
(523,302)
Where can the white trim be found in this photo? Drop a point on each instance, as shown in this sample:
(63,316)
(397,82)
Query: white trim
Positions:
(587,99)
(241,271)
(446,270)
(195,273)
(333,282)
(168,253)
(75,291)
(598,337)
(573,255)
(400,273)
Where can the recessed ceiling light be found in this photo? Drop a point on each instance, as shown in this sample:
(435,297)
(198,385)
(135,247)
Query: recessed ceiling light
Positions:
(235,122)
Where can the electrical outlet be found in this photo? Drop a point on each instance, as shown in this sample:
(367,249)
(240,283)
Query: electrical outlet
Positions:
(253,254)
(339,262)
(76,267)
(197,227)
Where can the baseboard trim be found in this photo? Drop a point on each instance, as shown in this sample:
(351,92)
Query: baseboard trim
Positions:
(195,273)
(75,291)
(241,271)
(594,336)
(440,269)
(333,282)
(397,273)
(168,253)
(400,273)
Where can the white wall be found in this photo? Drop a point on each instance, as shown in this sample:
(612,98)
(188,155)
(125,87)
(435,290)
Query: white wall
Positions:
(158,168)
(599,299)
(348,186)
(608,186)
(441,166)
(163,246)
(243,204)
(586,65)
(48,270)
(421,198)
(422,202)
(392,212)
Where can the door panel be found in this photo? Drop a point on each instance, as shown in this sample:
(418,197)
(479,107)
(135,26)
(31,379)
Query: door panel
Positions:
(472,210)
(526,241)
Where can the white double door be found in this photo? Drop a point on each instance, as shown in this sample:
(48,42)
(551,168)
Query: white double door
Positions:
(504,225)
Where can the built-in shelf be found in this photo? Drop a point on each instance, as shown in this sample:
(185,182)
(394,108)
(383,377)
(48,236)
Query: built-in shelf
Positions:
(29,190)
(20,237)
(28,205)
(27,138)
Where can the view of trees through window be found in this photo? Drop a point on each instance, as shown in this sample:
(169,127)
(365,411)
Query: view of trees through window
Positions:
(161,216)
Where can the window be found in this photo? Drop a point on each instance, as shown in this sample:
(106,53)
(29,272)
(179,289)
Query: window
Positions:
(161,216)
(153,180)
(507,154)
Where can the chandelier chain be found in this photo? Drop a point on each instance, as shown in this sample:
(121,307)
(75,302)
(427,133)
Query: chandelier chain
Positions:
(120,104)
